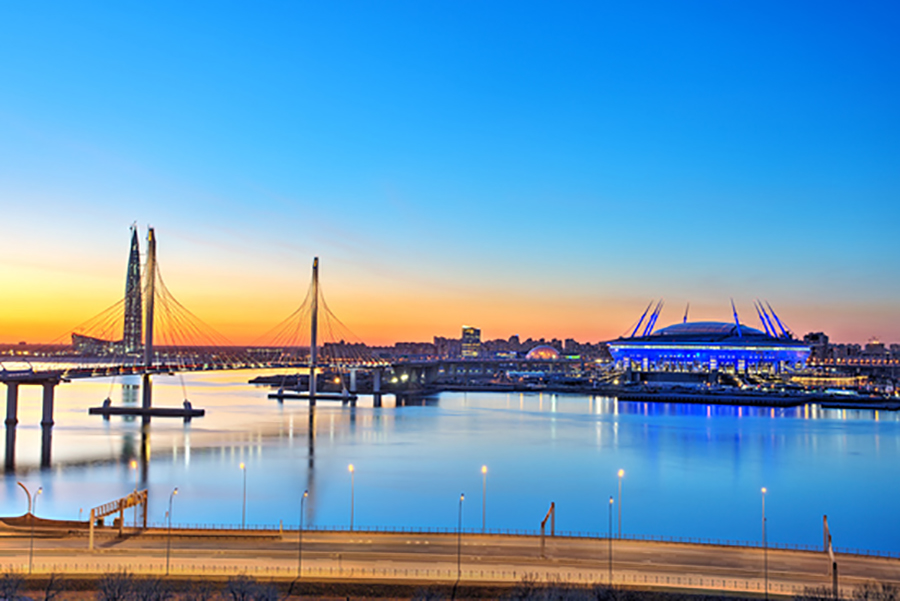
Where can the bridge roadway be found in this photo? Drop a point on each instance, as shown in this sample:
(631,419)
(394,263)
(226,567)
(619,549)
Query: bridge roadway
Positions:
(423,558)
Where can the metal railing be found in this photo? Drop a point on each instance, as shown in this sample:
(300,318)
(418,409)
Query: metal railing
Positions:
(583,576)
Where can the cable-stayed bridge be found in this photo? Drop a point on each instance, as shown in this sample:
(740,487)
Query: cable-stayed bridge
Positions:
(150,332)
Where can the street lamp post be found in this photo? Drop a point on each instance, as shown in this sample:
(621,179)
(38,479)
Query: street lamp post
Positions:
(621,475)
(169,535)
(28,494)
(31,545)
(134,465)
(351,469)
(300,544)
(244,502)
(765,544)
(483,498)
(610,539)
(462,497)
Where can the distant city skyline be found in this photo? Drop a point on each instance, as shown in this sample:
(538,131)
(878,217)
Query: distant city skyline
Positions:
(519,167)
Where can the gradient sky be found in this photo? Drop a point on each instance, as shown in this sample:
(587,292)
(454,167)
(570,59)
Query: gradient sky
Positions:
(541,169)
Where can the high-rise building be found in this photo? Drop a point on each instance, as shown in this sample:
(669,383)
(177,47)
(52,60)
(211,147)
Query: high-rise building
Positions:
(471,342)
(132,334)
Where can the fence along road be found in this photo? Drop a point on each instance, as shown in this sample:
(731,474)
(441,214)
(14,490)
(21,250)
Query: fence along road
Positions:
(414,558)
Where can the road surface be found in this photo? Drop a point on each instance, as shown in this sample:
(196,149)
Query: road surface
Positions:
(421,558)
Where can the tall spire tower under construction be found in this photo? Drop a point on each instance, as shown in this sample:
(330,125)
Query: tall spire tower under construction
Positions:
(132,334)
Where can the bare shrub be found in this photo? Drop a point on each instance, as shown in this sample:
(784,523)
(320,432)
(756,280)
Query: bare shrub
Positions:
(10,586)
(428,594)
(876,591)
(55,585)
(200,591)
(151,589)
(816,593)
(240,588)
(265,592)
(116,587)
(530,588)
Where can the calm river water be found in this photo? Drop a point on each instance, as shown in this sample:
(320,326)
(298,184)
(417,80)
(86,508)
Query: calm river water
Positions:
(690,470)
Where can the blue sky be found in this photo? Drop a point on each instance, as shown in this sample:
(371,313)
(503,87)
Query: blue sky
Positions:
(534,168)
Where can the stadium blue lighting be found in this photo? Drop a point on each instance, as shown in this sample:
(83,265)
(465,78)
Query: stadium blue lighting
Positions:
(698,346)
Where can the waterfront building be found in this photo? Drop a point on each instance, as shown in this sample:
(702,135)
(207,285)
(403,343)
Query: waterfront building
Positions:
(818,344)
(471,342)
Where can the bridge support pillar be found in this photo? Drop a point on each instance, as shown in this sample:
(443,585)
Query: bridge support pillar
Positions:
(353,380)
(10,463)
(47,418)
(12,418)
(376,387)
(47,423)
(146,396)
(12,410)
(12,404)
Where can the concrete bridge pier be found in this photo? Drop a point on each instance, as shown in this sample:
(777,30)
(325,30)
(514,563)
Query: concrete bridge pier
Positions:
(146,397)
(47,416)
(12,410)
(352,380)
(10,463)
(12,404)
(376,387)
(47,423)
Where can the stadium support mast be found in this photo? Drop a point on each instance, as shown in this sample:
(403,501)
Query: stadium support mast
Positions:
(132,333)
(641,320)
(768,319)
(784,332)
(652,322)
(737,321)
(762,319)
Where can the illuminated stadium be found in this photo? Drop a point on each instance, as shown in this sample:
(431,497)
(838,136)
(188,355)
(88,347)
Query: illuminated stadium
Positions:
(710,345)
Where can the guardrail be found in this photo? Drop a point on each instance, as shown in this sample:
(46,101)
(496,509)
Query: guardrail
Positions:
(583,577)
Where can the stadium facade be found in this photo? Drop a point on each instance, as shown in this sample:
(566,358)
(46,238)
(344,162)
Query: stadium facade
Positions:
(710,345)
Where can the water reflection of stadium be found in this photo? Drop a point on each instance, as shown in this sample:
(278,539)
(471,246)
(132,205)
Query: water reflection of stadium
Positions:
(604,405)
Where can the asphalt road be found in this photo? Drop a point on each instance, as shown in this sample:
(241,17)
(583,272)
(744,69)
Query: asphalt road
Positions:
(407,557)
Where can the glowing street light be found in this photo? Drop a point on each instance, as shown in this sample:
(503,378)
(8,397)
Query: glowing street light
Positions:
(621,475)
(352,471)
(169,536)
(300,544)
(483,498)
(244,503)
